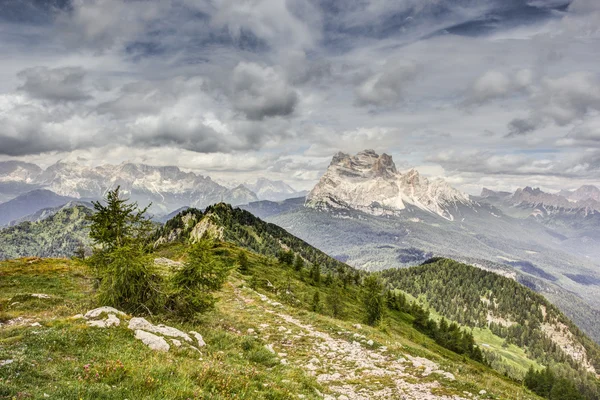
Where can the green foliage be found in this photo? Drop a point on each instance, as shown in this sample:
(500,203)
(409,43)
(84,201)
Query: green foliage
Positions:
(118,223)
(545,384)
(250,232)
(373,301)
(58,235)
(127,276)
(316,302)
(286,257)
(443,283)
(192,286)
(315,274)
(129,282)
(334,301)
(298,263)
(485,292)
(243,264)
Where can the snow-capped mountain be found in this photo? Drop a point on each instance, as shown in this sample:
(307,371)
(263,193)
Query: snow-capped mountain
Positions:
(584,193)
(370,182)
(16,177)
(267,189)
(167,188)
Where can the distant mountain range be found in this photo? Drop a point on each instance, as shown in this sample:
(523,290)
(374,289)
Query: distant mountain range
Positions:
(25,188)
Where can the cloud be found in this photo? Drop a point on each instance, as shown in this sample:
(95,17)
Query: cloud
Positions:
(495,84)
(54,84)
(521,126)
(102,24)
(295,25)
(261,92)
(385,87)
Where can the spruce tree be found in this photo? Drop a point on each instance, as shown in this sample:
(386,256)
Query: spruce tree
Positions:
(373,300)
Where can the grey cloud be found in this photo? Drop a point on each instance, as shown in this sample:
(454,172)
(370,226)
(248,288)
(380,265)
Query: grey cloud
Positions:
(55,84)
(384,88)
(496,84)
(101,24)
(521,126)
(568,98)
(261,92)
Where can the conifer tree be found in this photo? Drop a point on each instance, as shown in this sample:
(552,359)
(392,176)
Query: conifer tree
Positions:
(373,300)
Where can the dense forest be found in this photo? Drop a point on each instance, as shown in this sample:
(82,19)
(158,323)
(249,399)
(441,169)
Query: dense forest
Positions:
(477,298)
(63,233)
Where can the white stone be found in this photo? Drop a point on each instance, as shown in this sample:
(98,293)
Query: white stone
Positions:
(270,348)
(250,331)
(36,324)
(96,312)
(6,362)
(176,342)
(482,392)
(357,326)
(283,361)
(141,323)
(111,320)
(370,342)
(199,338)
(40,295)
(154,342)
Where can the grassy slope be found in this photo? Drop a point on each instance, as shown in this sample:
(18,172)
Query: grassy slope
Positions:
(51,358)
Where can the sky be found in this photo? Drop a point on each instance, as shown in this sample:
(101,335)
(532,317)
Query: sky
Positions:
(485,93)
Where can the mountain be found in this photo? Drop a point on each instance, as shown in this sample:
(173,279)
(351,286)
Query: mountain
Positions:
(267,189)
(370,183)
(59,234)
(240,227)
(585,192)
(29,203)
(511,311)
(167,188)
(352,215)
(575,220)
(17,177)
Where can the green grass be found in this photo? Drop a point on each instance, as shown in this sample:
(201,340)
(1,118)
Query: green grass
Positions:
(66,359)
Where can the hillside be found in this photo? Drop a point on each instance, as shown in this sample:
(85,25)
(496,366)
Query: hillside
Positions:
(488,301)
(261,342)
(57,235)
(242,228)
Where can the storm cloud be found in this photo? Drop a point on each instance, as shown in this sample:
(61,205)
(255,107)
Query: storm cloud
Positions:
(473,91)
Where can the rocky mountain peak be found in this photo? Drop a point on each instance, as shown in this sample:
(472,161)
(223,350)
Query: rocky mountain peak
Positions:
(370,182)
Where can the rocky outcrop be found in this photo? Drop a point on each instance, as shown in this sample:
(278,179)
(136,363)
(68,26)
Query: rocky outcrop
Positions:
(370,183)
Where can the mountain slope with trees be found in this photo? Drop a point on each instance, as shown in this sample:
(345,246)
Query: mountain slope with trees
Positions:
(481,299)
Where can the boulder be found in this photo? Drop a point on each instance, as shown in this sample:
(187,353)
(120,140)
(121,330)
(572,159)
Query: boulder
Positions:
(154,342)
(111,320)
(199,338)
(141,323)
(96,312)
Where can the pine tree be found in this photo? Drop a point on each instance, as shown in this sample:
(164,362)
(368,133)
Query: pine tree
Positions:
(298,263)
(334,301)
(243,264)
(316,302)
(127,277)
(192,285)
(315,274)
(373,300)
